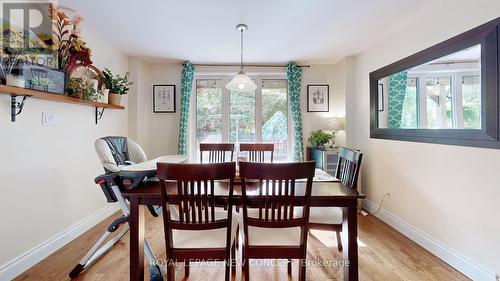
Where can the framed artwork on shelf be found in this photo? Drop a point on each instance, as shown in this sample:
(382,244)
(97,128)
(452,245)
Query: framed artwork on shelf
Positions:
(43,78)
(163,98)
(318,98)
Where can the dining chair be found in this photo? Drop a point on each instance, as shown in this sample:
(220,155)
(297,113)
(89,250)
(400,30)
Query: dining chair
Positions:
(217,152)
(199,230)
(271,227)
(330,218)
(257,151)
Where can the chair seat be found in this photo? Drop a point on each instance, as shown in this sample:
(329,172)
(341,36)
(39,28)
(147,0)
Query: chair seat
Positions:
(212,238)
(260,236)
(323,215)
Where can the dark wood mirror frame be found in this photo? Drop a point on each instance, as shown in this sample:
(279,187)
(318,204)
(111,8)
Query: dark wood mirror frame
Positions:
(489,135)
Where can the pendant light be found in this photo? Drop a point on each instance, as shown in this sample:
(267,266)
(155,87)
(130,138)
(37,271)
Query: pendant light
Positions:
(241,81)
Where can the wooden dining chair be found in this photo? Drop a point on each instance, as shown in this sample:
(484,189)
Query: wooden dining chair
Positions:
(270,226)
(217,152)
(200,230)
(257,151)
(330,218)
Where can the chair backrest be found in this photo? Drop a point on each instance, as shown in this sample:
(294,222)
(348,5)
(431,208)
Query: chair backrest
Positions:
(348,165)
(257,151)
(116,151)
(217,152)
(195,187)
(276,198)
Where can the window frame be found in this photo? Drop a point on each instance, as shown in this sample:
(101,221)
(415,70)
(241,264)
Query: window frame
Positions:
(488,136)
(226,107)
(456,79)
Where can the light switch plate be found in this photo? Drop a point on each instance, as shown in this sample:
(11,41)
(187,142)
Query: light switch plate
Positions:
(49,119)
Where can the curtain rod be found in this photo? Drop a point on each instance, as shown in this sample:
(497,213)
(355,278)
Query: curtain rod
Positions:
(248,65)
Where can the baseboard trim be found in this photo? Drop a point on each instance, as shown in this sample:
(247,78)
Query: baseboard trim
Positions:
(461,263)
(26,260)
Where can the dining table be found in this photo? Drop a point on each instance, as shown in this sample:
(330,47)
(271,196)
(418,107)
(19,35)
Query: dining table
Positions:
(324,194)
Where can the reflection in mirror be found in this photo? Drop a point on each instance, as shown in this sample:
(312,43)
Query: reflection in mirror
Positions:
(441,94)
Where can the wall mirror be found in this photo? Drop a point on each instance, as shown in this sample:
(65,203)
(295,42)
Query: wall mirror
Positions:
(445,94)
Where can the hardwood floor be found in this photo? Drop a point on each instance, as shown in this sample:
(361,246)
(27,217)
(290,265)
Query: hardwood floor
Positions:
(384,254)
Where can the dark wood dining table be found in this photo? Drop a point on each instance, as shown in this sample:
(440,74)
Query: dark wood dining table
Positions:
(324,194)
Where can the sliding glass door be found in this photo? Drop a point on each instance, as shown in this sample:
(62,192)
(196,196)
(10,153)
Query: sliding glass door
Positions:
(243,116)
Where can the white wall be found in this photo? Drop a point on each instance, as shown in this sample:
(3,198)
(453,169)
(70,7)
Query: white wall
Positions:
(334,76)
(47,172)
(448,193)
(162,129)
(138,95)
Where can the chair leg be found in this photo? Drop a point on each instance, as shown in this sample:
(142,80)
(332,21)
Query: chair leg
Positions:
(236,239)
(302,271)
(170,271)
(339,241)
(228,268)
(289,265)
(186,268)
(246,265)
(233,258)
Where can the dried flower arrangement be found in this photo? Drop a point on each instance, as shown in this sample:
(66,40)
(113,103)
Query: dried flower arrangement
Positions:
(66,39)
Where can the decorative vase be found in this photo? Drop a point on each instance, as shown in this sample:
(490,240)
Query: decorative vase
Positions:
(15,80)
(94,84)
(105,96)
(114,99)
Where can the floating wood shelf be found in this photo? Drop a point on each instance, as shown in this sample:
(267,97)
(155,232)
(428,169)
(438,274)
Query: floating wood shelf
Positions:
(17,107)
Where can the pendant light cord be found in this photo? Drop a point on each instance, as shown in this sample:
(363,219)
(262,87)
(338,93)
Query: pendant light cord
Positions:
(241,53)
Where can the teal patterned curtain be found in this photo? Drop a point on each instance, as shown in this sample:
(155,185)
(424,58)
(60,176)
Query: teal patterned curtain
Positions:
(294,76)
(186,87)
(396,98)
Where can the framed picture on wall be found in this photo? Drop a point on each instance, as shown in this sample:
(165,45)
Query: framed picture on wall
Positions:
(318,98)
(163,98)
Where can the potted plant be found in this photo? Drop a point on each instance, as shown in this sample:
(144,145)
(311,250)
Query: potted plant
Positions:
(118,85)
(90,93)
(319,138)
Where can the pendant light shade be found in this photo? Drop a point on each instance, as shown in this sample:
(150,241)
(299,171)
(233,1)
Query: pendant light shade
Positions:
(241,82)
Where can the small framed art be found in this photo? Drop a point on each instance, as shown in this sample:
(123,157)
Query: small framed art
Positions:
(163,98)
(318,98)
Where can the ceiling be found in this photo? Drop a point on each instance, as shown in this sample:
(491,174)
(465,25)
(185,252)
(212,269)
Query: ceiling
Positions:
(466,55)
(314,31)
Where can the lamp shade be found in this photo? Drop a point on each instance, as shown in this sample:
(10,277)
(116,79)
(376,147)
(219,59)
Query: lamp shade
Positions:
(241,82)
(337,123)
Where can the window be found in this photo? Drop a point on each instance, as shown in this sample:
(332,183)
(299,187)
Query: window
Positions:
(409,116)
(471,101)
(275,116)
(439,100)
(450,101)
(243,116)
(208,111)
